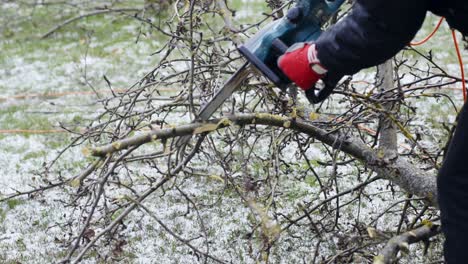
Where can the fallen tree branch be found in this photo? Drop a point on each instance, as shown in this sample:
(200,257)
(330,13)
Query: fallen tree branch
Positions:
(174,235)
(133,205)
(398,170)
(402,242)
(74,181)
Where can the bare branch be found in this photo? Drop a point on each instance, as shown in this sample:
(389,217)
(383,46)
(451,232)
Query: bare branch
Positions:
(94,13)
(402,242)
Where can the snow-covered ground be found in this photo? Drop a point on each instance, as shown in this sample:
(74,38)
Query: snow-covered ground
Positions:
(48,82)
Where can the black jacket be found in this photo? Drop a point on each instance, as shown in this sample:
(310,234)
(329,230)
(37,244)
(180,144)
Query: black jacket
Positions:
(375,30)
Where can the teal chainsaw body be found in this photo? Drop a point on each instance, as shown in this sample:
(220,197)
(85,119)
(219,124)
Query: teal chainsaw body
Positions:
(303,23)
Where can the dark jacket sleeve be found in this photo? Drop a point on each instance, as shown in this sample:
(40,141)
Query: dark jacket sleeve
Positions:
(374,31)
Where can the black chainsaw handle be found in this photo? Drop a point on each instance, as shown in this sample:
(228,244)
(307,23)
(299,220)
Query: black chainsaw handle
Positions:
(315,96)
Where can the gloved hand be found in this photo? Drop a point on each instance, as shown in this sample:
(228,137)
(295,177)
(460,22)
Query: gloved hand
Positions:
(301,65)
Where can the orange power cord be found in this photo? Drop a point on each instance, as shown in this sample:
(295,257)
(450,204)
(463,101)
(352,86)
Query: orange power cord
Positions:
(428,36)
(460,61)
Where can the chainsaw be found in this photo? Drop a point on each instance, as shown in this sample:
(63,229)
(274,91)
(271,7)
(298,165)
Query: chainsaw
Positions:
(302,23)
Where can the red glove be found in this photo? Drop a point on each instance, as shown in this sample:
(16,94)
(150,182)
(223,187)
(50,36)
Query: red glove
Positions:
(301,65)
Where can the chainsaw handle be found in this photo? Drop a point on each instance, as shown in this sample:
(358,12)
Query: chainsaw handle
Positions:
(279,46)
(316,96)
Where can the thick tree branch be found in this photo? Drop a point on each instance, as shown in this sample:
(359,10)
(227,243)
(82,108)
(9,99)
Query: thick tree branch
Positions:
(401,242)
(397,170)
(388,132)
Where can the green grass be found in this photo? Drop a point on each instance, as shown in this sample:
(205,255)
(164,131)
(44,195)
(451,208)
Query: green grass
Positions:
(100,32)
(253,8)
(7,207)
(94,35)
(13,118)
(71,42)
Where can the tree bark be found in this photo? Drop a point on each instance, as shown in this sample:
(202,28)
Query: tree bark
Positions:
(398,170)
(388,132)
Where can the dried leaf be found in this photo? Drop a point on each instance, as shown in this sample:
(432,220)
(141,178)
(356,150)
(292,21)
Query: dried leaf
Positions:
(224,122)
(379,259)
(313,116)
(294,113)
(86,152)
(117,145)
(75,183)
(372,232)
(427,223)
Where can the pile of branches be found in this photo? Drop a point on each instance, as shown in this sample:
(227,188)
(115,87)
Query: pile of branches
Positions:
(270,178)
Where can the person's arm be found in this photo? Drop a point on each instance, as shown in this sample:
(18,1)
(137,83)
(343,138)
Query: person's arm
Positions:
(374,31)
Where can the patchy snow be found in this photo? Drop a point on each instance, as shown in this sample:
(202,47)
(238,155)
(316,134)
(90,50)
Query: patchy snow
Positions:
(32,230)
